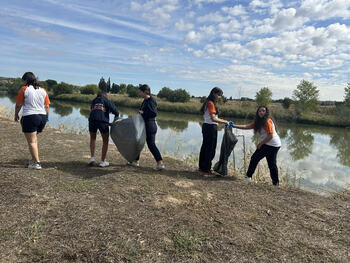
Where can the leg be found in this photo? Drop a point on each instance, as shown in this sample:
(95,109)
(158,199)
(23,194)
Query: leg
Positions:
(92,143)
(271,161)
(207,152)
(255,159)
(151,137)
(105,138)
(32,141)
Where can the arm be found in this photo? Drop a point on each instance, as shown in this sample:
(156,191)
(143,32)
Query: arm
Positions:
(266,140)
(149,109)
(244,127)
(218,120)
(17,109)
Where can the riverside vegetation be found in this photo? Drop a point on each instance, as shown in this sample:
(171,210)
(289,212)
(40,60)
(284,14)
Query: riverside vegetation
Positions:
(305,107)
(69,212)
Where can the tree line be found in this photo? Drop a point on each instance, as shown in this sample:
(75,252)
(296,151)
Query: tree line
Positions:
(305,96)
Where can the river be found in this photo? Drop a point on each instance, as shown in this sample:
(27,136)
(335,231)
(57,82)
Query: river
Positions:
(316,158)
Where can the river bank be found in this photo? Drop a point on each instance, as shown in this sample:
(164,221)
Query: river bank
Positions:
(324,115)
(69,212)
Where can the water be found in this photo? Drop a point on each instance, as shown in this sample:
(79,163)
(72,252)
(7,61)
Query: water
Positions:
(317,157)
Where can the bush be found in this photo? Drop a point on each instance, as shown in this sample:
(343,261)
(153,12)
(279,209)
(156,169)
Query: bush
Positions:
(63,88)
(15,86)
(89,89)
(165,93)
(133,91)
(178,95)
(286,102)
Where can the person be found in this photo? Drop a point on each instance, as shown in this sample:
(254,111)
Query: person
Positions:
(148,110)
(210,113)
(101,107)
(269,144)
(35,102)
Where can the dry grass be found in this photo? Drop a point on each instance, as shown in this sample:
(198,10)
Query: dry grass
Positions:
(69,212)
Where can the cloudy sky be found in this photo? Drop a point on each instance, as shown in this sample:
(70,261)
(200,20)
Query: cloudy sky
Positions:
(240,46)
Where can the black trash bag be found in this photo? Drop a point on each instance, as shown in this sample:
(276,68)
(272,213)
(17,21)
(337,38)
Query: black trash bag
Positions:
(229,141)
(129,135)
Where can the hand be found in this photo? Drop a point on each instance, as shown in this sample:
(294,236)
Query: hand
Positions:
(232,124)
(16,118)
(141,111)
(259,146)
(47,118)
(228,123)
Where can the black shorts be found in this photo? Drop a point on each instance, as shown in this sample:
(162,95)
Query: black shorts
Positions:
(33,123)
(103,127)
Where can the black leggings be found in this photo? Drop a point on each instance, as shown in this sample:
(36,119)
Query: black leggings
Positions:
(207,153)
(270,152)
(151,130)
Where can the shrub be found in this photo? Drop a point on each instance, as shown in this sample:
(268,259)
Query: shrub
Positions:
(63,88)
(286,102)
(133,91)
(89,89)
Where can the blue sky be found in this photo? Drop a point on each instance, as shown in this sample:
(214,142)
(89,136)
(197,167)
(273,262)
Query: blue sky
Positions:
(240,46)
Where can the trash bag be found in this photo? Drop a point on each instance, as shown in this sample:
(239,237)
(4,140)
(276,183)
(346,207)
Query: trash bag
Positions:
(229,141)
(129,135)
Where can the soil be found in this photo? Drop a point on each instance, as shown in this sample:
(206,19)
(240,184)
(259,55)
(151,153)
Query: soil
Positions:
(70,212)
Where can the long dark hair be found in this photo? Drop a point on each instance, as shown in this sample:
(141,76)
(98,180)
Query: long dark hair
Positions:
(30,79)
(211,97)
(260,122)
(146,89)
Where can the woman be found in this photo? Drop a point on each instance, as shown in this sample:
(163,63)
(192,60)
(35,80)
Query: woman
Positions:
(101,106)
(210,130)
(35,103)
(148,110)
(269,144)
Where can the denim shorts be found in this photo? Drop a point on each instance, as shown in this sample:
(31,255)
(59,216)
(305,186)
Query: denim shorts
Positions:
(33,123)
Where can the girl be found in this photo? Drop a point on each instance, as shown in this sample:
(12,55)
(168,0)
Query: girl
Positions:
(148,110)
(210,130)
(269,144)
(35,102)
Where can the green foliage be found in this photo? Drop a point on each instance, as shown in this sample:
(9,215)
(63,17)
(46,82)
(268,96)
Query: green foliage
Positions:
(50,84)
(115,88)
(89,89)
(203,99)
(63,88)
(15,86)
(102,85)
(306,95)
(164,93)
(133,91)
(347,95)
(263,97)
(122,88)
(178,95)
(222,100)
(108,85)
(287,102)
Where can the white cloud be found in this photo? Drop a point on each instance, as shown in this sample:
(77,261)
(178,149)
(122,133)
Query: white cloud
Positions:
(181,25)
(324,9)
(142,58)
(236,10)
(212,17)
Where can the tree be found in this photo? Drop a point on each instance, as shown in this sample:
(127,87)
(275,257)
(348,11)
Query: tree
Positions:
(102,85)
(263,97)
(108,85)
(286,102)
(15,86)
(133,91)
(122,88)
(347,95)
(179,95)
(63,88)
(165,93)
(306,96)
(89,89)
(50,83)
(115,88)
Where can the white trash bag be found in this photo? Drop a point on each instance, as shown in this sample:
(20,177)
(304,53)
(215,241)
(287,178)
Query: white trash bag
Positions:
(129,135)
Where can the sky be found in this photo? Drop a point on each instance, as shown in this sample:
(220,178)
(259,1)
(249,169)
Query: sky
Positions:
(239,46)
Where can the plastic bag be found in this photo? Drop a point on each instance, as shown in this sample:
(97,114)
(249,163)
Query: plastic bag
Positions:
(129,135)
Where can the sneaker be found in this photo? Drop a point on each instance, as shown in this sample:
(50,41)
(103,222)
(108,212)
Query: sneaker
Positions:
(246,178)
(134,163)
(104,164)
(92,161)
(34,165)
(160,167)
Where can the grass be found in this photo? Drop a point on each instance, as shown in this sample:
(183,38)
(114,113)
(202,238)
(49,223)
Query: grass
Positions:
(75,187)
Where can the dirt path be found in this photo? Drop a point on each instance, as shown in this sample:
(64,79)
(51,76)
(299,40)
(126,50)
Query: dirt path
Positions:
(69,212)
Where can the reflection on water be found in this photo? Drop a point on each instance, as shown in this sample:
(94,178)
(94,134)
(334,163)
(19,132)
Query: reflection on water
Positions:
(320,155)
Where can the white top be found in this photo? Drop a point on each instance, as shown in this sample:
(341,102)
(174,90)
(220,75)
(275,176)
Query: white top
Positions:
(33,100)
(269,128)
(209,110)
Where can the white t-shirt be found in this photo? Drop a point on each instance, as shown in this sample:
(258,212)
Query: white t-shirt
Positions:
(33,100)
(210,109)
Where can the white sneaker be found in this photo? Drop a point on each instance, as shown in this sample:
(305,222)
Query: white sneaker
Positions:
(104,164)
(160,167)
(92,161)
(34,165)
(246,178)
(134,163)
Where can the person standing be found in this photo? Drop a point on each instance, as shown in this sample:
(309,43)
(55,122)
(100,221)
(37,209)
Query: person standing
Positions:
(35,102)
(210,130)
(269,145)
(149,111)
(101,106)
